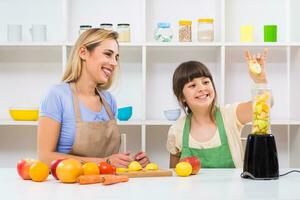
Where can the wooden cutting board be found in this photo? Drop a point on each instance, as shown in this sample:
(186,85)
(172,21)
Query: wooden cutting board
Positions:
(147,173)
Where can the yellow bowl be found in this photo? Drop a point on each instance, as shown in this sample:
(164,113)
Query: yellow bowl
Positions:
(22,114)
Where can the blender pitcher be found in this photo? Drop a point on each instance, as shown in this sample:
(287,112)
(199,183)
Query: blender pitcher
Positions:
(261,96)
(260,161)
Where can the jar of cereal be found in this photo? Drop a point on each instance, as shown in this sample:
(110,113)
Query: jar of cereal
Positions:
(185,31)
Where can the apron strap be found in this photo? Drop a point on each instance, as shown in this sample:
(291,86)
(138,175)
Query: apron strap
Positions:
(221,128)
(105,104)
(186,132)
(75,102)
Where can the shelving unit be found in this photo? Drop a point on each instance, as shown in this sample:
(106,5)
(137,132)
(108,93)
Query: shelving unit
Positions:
(28,69)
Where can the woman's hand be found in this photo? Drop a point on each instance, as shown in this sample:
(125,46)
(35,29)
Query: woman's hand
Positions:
(254,60)
(142,158)
(120,159)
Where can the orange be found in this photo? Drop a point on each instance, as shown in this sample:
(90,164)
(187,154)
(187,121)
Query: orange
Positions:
(39,171)
(183,169)
(90,168)
(68,170)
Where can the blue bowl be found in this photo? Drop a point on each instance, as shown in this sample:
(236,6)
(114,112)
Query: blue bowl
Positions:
(173,114)
(125,113)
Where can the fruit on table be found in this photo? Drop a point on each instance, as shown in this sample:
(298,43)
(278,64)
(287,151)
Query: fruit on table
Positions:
(53,167)
(195,162)
(183,169)
(39,171)
(152,166)
(23,167)
(90,168)
(105,168)
(68,170)
(261,114)
(134,166)
(254,67)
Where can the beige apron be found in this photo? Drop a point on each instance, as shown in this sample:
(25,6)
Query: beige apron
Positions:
(95,139)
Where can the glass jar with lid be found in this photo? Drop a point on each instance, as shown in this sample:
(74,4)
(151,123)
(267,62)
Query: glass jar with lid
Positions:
(107,26)
(163,32)
(83,28)
(206,30)
(124,32)
(185,31)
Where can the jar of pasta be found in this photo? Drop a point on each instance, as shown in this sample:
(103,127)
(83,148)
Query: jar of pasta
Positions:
(124,32)
(206,30)
(185,31)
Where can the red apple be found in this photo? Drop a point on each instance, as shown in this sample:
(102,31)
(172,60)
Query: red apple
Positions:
(23,167)
(53,166)
(194,161)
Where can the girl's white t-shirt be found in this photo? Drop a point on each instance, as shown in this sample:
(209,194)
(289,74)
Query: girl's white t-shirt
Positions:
(233,129)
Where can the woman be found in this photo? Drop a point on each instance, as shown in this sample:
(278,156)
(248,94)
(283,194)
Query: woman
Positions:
(77,117)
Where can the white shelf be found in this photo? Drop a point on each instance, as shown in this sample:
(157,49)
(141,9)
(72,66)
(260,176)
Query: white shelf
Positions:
(183,44)
(8,122)
(31,44)
(160,44)
(257,44)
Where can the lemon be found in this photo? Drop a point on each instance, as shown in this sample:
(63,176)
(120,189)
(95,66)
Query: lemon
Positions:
(151,166)
(134,166)
(254,67)
(121,169)
(183,169)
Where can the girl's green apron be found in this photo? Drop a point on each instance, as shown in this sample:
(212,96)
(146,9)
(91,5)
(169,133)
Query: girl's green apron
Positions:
(216,157)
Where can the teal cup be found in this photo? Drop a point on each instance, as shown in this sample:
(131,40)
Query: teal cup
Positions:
(270,33)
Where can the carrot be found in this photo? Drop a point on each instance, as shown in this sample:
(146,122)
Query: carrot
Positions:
(90,179)
(112,179)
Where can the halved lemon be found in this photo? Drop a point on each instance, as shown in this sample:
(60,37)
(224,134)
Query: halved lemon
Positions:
(254,67)
(151,166)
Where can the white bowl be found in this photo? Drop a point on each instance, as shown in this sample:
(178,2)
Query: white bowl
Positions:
(172,114)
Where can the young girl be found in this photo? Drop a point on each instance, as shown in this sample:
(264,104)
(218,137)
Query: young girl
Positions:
(211,133)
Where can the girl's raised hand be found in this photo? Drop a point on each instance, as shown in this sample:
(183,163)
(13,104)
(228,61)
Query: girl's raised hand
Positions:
(256,66)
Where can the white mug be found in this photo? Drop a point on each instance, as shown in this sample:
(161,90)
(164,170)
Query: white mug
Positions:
(38,33)
(14,33)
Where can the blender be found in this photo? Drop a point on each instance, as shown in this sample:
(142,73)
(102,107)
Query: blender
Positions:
(261,160)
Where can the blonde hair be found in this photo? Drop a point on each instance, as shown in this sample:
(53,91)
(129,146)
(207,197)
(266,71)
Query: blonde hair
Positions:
(89,39)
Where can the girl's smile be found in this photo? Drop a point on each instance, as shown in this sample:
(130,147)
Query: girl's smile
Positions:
(199,92)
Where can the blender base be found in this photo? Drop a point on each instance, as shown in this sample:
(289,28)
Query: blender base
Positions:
(261,160)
